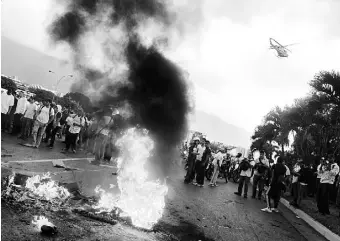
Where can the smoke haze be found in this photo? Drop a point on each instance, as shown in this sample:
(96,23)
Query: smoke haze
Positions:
(116,48)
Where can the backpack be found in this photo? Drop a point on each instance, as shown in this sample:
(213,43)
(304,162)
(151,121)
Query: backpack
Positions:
(244,166)
(261,169)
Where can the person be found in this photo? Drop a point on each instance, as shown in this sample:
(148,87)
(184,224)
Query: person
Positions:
(259,174)
(56,127)
(276,186)
(189,177)
(18,114)
(217,162)
(338,195)
(287,176)
(7,102)
(328,173)
(71,139)
(202,159)
(27,120)
(246,168)
(10,123)
(44,117)
(297,176)
(50,126)
(103,133)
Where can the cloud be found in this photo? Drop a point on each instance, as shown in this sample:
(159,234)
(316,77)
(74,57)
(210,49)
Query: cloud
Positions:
(237,77)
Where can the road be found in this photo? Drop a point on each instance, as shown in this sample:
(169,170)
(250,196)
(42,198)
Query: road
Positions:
(191,213)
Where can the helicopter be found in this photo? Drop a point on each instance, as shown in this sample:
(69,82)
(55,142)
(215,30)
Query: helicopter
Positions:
(282,50)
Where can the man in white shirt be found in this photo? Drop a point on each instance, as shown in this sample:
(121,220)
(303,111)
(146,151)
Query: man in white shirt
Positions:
(45,115)
(73,132)
(7,102)
(19,112)
(27,120)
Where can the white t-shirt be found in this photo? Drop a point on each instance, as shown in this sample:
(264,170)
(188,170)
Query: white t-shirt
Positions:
(21,106)
(30,110)
(200,150)
(297,168)
(79,121)
(45,114)
(218,157)
(6,102)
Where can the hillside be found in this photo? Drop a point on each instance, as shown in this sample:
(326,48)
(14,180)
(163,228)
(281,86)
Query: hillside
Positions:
(32,66)
(217,129)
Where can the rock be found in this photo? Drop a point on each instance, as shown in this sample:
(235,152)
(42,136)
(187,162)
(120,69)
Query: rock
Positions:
(48,230)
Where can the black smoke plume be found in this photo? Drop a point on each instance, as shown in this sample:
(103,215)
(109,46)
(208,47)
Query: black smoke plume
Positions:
(154,89)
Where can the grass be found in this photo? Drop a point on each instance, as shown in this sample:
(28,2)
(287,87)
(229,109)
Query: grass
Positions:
(332,221)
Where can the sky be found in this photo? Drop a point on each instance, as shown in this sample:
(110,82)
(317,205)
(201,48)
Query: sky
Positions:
(225,49)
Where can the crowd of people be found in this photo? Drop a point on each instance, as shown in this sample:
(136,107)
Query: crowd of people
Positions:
(273,178)
(45,121)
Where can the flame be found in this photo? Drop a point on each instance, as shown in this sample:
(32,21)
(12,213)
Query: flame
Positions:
(140,199)
(39,221)
(43,186)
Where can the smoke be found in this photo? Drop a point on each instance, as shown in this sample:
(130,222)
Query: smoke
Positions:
(117,51)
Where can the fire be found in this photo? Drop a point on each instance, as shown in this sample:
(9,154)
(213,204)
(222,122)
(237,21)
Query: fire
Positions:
(39,221)
(141,199)
(43,186)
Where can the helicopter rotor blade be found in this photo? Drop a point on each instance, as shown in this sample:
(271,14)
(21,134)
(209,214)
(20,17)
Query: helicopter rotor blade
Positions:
(291,45)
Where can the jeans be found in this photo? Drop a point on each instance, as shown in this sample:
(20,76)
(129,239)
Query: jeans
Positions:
(37,132)
(302,193)
(276,200)
(317,188)
(200,170)
(191,170)
(258,181)
(100,144)
(323,198)
(215,174)
(4,120)
(26,127)
(48,132)
(17,124)
(244,181)
(71,139)
(52,135)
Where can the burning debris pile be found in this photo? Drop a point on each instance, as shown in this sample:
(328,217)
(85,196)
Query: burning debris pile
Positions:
(39,192)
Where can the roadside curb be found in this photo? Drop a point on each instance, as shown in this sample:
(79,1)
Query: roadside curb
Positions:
(50,160)
(325,232)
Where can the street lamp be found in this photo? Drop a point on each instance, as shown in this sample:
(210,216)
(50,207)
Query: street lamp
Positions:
(58,81)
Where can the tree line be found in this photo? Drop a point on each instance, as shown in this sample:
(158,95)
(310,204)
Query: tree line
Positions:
(313,121)
(73,100)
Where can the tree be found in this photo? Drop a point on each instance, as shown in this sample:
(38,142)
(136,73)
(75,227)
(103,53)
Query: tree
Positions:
(41,94)
(314,120)
(83,100)
(8,84)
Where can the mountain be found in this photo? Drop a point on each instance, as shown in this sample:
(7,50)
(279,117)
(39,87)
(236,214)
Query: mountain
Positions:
(217,129)
(32,66)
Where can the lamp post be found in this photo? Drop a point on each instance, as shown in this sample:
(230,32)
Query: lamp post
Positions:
(58,81)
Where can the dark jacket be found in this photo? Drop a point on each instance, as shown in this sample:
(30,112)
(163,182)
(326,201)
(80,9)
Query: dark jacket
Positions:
(206,155)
